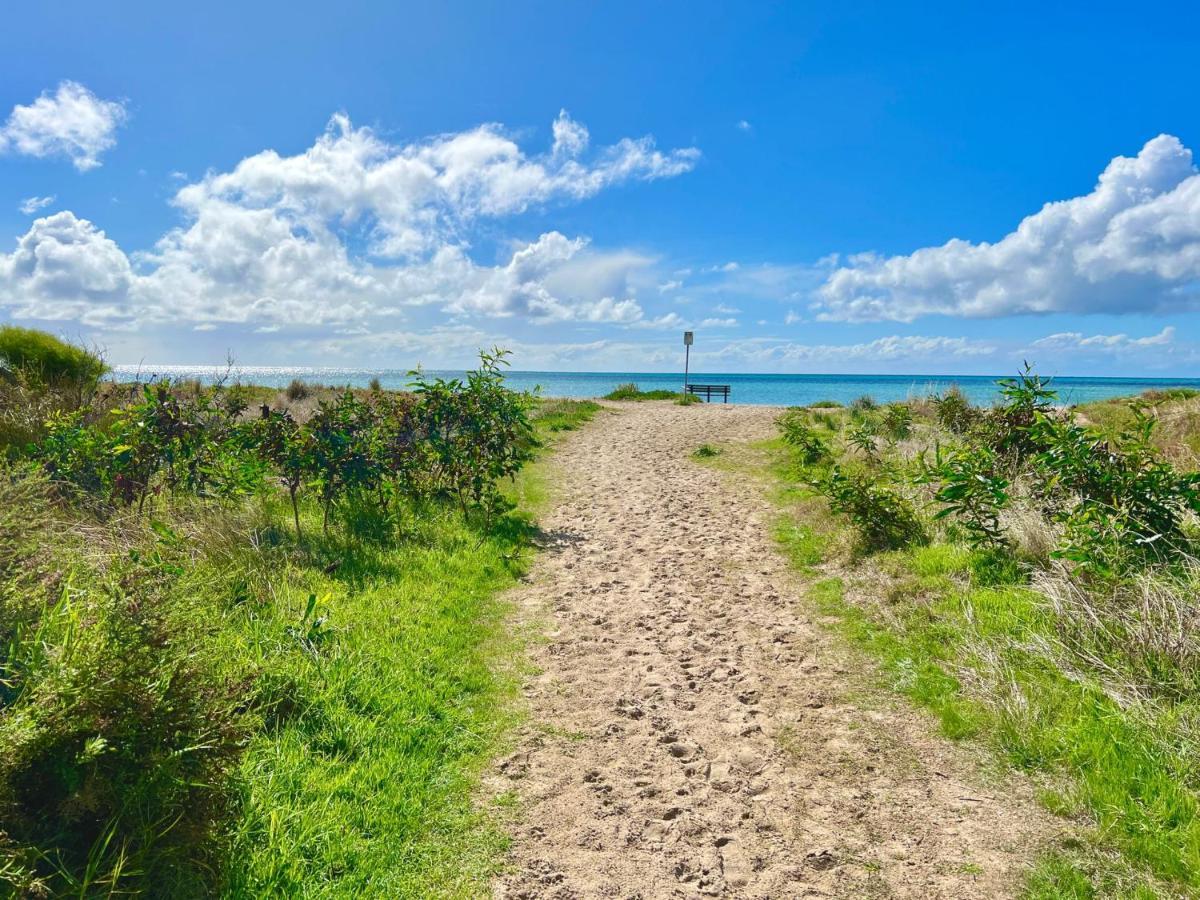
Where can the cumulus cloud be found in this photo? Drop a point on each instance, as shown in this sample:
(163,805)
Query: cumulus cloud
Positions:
(72,122)
(30,205)
(66,268)
(353,229)
(1130,245)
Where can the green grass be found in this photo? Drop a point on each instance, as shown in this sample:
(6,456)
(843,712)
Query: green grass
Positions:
(356,685)
(950,631)
(632,392)
(368,787)
(365,785)
(553,415)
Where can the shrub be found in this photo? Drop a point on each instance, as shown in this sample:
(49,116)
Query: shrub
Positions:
(1119,501)
(297,390)
(627,391)
(1009,427)
(796,432)
(883,518)
(862,437)
(865,403)
(706,451)
(44,359)
(897,421)
(630,391)
(954,411)
(376,385)
(970,489)
(825,404)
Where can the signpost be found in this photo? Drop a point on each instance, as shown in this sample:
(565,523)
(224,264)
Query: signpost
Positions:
(687,354)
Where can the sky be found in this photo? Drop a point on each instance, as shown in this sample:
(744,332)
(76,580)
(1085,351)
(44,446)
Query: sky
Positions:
(820,187)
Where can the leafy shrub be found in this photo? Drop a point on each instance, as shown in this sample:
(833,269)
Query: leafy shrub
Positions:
(478,432)
(883,518)
(44,359)
(863,438)
(1009,427)
(897,421)
(954,411)
(297,390)
(863,404)
(825,404)
(796,432)
(375,385)
(706,451)
(1118,499)
(970,489)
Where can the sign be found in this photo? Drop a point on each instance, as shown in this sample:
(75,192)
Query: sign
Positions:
(687,339)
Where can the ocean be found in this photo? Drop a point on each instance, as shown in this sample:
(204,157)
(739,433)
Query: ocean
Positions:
(777,390)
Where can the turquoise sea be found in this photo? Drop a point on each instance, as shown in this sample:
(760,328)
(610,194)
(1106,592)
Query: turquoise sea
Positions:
(779,390)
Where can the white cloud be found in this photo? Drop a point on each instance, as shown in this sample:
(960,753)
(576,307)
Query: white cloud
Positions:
(726,310)
(743,125)
(352,230)
(570,138)
(726,267)
(30,205)
(66,268)
(73,122)
(719,323)
(792,317)
(668,286)
(1131,245)
(1068,341)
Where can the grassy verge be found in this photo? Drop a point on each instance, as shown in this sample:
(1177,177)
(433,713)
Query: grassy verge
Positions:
(968,639)
(194,701)
(367,789)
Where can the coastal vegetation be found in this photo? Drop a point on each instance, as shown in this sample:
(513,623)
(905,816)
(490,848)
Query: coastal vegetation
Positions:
(1028,573)
(255,651)
(631,391)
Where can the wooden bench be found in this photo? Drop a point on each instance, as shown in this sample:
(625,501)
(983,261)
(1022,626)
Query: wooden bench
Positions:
(721,390)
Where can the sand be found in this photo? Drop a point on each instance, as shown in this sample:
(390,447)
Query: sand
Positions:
(694,731)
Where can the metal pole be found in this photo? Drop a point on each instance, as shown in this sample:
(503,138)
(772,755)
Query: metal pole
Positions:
(687,354)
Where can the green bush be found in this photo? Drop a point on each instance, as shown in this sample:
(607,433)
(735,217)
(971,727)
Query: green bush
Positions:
(794,427)
(883,518)
(897,421)
(954,411)
(42,358)
(297,390)
(970,488)
(630,391)
(1120,501)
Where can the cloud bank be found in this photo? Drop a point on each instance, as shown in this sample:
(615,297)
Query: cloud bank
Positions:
(1131,245)
(352,229)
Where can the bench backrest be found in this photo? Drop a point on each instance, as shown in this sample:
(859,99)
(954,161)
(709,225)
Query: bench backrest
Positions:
(721,390)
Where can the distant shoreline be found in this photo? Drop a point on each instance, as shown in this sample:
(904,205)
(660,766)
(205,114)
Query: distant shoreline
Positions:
(755,389)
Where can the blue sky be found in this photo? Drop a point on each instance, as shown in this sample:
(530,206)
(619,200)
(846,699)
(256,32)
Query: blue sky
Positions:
(811,188)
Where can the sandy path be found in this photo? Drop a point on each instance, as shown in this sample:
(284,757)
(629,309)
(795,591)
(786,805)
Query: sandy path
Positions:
(691,732)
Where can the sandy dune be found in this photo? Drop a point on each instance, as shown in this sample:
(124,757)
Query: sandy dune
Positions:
(693,732)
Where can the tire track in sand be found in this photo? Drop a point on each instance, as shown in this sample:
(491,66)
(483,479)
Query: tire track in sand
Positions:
(690,732)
